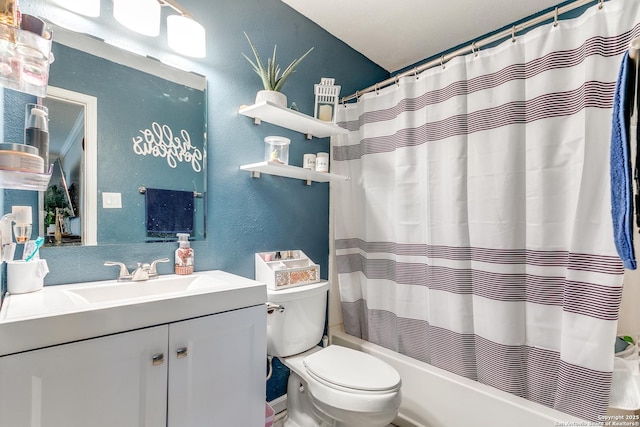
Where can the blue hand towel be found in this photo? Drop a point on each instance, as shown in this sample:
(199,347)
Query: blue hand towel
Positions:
(621,177)
(169,211)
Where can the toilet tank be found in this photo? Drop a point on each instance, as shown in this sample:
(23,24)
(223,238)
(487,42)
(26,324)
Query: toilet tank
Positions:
(300,325)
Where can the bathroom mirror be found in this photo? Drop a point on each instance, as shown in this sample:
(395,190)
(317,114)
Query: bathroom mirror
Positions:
(149,131)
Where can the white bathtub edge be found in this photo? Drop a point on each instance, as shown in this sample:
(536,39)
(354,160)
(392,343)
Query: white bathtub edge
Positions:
(455,401)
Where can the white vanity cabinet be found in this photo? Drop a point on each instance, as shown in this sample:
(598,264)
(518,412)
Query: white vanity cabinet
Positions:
(102,382)
(206,371)
(217,370)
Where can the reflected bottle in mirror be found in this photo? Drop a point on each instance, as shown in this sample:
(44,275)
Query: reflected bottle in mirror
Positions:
(36,131)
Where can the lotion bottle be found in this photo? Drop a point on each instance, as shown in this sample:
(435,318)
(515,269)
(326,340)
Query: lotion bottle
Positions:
(184,255)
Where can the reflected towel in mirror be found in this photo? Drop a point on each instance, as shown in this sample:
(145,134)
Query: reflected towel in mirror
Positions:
(169,211)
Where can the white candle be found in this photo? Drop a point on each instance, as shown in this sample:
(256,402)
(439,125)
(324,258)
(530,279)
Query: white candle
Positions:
(325,113)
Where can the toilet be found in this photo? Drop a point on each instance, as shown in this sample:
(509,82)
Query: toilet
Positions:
(332,386)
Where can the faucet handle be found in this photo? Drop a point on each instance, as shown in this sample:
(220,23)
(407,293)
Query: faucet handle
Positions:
(123,268)
(152,269)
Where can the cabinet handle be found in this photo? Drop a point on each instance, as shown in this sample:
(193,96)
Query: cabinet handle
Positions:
(182,352)
(157,359)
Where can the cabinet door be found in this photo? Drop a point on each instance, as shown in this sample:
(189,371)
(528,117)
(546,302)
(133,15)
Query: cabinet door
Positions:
(217,370)
(103,382)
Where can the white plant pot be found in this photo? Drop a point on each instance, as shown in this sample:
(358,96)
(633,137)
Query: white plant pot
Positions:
(272,96)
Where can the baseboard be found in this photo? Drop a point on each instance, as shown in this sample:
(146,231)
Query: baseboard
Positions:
(279,404)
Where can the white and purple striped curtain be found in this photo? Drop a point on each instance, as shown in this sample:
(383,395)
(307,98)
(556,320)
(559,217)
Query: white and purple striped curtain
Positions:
(475,232)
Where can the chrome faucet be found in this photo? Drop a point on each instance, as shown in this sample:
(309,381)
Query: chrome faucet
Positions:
(142,272)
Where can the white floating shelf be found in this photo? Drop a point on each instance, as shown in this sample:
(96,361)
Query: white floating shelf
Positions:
(272,168)
(290,119)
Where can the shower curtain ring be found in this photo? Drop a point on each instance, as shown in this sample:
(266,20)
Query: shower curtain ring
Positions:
(513,34)
(415,73)
(600,4)
(397,80)
(442,62)
(377,87)
(474,49)
(555,18)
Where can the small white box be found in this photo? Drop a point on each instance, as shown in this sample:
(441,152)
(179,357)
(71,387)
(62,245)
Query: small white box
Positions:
(294,268)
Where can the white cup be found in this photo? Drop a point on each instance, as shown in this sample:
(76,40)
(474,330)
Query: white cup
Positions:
(309,161)
(26,276)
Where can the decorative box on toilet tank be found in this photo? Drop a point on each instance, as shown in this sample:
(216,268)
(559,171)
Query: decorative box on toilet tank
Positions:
(293,268)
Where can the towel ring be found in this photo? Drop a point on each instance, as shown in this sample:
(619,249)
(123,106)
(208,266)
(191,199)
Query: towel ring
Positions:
(555,18)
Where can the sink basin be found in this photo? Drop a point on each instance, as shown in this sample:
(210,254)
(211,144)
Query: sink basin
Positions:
(67,313)
(156,288)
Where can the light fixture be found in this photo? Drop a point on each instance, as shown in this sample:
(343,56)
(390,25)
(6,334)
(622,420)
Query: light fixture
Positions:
(184,34)
(141,16)
(83,7)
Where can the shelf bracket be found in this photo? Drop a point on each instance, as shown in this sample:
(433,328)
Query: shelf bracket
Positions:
(308,182)
(255,174)
(309,136)
(257,120)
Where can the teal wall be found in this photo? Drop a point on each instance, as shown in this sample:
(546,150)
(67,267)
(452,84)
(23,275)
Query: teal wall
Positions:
(245,215)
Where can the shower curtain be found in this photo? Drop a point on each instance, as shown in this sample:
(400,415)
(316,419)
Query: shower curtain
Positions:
(475,231)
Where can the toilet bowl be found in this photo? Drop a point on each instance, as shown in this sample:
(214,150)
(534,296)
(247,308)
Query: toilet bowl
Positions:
(341,387)
(333,386)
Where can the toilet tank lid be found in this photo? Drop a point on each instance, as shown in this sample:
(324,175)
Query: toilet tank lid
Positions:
(297,292)
(352,369)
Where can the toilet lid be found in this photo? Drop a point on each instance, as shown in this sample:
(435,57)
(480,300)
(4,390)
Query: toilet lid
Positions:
(352,369)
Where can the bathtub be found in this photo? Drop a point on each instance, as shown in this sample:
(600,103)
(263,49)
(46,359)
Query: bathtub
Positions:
(432,397)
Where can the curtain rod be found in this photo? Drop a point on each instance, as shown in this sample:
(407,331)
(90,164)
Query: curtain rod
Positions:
(476,45)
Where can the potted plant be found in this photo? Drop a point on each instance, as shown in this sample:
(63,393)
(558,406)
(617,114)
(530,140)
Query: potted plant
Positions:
(270,75)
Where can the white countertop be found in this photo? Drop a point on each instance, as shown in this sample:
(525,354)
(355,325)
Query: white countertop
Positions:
(67,313)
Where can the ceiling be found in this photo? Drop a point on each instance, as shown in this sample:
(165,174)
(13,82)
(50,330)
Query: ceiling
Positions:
(397,34)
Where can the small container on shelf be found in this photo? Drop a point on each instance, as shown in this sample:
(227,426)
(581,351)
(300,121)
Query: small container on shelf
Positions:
(20,157)
(294,268)
(24,60)
(322,162)
(326,100)
(276,149)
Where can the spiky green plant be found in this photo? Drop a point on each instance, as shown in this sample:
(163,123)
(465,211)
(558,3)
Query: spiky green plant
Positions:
(270,75)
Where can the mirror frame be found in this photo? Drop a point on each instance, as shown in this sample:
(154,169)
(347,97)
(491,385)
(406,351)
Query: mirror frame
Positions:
(89,211)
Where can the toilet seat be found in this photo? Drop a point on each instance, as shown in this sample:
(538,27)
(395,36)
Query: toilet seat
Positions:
(352,371)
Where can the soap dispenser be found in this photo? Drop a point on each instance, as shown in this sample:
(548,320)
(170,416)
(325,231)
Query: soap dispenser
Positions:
(184,255)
